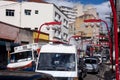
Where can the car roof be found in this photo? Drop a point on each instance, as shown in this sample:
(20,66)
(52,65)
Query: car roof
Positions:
(59,48)
(24,75)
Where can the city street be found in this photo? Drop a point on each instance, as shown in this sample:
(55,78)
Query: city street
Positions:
(63,39)
(104,74)
(91,77)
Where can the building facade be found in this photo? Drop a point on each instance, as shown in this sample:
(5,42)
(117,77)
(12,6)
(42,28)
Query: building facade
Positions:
(26,16)
(12,36)
(88,31)
(69,12)
(8,34)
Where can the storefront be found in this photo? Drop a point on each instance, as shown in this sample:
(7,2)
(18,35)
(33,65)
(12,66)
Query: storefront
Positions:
(8,34)
(11,36)
(43,37)
(5,47)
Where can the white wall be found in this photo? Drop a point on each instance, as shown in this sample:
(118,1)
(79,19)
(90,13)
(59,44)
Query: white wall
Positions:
(46,13)
(80,10)
(9,19)
(22,20)
(64,26)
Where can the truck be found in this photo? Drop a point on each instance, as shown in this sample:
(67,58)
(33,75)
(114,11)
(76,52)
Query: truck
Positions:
(59,60)
(24,57)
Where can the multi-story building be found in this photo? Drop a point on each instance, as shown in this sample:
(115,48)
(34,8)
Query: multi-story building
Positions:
(88,9)
(87,12)
(69,12)
(87,31)
(23,15)
(79,9)
(80,26)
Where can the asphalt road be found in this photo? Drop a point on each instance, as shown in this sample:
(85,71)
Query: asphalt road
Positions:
(104,74)
(91,76)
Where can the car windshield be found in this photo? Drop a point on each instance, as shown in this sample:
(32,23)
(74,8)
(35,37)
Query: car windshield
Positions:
(21,56)
(56,61)
(90,61)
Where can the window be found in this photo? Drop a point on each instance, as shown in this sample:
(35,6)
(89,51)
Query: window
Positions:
(27,12)
(10,12)
(65,21)
(21,56)
(56,62)
(57,16)
(36,11)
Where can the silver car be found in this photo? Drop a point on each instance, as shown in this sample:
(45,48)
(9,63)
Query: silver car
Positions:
(92,64)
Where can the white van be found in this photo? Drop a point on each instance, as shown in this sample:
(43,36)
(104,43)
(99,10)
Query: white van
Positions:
(59,60)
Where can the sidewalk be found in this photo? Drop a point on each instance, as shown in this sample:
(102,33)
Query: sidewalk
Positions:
(106,73)
(109,75)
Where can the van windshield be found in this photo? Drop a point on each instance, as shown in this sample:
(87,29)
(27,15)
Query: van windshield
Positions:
(21,56)
(56,61)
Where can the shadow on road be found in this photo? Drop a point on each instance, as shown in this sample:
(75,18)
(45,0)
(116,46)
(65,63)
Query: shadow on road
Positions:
(100,77)
(109,75)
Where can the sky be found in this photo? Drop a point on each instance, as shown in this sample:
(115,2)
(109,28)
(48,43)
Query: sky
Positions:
(88,1)
(102,6)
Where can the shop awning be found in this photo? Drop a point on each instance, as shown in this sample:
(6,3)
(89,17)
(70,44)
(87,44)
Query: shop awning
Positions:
(3,43)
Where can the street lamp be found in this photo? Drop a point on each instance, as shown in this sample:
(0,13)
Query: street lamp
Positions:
(115,23)
(48,23)
(110,43)
(100,20)
(75,36)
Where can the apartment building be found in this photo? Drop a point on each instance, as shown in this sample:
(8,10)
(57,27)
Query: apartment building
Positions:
(88,31)
(88,12)
(69,12)
(33,14)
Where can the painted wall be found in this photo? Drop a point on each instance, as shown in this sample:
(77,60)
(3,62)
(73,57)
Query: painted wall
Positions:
(14,20)
(8,32)
(46,13)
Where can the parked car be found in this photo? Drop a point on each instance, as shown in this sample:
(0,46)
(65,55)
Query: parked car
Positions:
(99,56)
(104,59)
(23,75)
(92,64)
